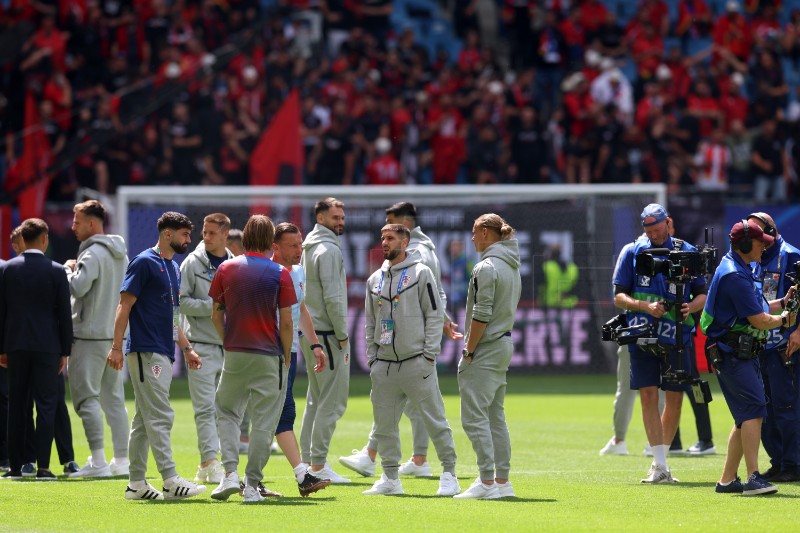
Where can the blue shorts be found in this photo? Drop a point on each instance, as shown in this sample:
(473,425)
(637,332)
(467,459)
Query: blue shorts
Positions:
(647,369)
(288,415)
(742,387)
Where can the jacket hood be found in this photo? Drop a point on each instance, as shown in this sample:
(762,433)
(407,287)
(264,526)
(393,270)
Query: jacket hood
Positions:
(412,257)
(319,235)
(420,239)
(114,243)
(507,250)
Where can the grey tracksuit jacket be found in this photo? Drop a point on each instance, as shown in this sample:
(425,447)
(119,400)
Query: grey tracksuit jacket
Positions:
(196,305)
(326,283)
(427,254)
(418,316)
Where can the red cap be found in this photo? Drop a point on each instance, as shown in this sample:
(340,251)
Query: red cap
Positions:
(753,230)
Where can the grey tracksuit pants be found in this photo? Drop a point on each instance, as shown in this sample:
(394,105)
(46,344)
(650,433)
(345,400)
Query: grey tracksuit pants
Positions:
(151,375)
(202,389)
(96,388)
(326,399)
(261,381)
(419,435)
(482,385)
(416,381)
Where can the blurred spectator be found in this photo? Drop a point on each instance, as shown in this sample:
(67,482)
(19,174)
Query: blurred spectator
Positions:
(332,161)
(740,144)
(384,169)
(732,31)
(694,20)
(768,164)
(529,149)
(712,161)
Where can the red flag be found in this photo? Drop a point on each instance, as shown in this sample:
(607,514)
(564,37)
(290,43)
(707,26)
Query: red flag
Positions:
(27,181)
(278,157)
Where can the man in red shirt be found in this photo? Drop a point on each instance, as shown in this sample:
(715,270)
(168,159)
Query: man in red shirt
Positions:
(249,292)
(733,32)
(384,169)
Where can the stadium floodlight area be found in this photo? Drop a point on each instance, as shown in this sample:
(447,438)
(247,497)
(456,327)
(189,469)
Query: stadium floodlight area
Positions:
(569,237)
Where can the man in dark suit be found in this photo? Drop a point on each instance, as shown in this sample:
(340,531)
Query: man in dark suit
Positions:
(35,341)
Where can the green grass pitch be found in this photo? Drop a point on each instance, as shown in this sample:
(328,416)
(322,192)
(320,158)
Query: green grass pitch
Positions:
(557,424)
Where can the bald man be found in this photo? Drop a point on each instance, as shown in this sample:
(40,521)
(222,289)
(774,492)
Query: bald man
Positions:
(780,432)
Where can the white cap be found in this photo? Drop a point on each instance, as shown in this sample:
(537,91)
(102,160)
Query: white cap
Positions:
(732,6)
(663,73)
(383,145)
(208,60)
(592,57)
(496,87)
(615,74)
(737,79)
(173,70)
(249,72)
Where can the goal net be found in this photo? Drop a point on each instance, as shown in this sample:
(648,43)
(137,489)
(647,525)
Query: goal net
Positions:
(569,237)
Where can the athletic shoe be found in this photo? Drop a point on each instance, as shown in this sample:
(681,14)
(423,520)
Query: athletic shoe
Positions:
(479,491)
(703,447)
(790,475)
(385,487)
(275,448)
(12,474)
(677,449)
(244,447)
(734,487)
(328,473)
(360,462)
(659,474)
(264,491)
(28,470)
(448,485)
(411,469)
(149,492)
(213,473)
(614,448)
(312,484)
(756,486)
(45,475)
(71,467)
(182,488)
(227,487)
(5,466)
(505,489)
(251,495)
(771,472)
(89,470)
(120,467)
(648,451)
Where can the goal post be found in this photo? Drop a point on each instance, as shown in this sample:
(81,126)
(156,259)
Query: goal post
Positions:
(569,237)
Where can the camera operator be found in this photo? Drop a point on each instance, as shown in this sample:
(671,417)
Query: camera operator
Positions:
(779,371)
(737,320)
(647,300)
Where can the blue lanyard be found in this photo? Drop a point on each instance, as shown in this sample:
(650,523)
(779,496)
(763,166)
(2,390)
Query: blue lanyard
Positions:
(169,279)
(396,299)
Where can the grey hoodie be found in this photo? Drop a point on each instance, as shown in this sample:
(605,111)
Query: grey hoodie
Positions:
(196,305)
(427,254)
(494,290)
(418,316)
(94,286)
(326,283)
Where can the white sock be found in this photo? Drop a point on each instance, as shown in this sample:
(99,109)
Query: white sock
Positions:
(726,484)
(99,457)
(138,485)
(300,472)
(170,481)
(660,454)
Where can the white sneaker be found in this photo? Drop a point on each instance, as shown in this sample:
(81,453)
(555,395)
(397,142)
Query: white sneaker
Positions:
(328,473)
(120,467)
(360,462)
(227,487)
(479,491)
(89,470)
(251,495)
(411,469)
(385,487)
(275,447)
(149,492)
(614,448)
(182,488)
(505,489)
(213,473)
(448,485)
(659,474)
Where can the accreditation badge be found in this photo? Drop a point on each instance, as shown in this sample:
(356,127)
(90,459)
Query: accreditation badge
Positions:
(176,319)
(770,285)
(387,331)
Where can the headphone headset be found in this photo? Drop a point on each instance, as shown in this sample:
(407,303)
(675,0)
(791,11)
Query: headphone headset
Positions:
(746,242)
(769,229)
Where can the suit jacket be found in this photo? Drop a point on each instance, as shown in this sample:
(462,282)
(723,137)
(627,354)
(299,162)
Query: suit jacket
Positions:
(35,312)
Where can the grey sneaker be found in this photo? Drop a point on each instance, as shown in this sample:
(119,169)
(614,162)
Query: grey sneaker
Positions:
(659,474)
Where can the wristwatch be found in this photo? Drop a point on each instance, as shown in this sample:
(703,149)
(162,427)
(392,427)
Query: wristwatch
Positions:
(187,348)
(465,353)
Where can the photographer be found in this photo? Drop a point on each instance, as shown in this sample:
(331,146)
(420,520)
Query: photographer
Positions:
(780,371)
(737,321)
(648,300)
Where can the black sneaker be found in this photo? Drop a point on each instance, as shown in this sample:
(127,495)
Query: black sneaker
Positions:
(312,484)
(676,448)
(734,487)
(789,475)
(757,486)
(28,470)
(771,473)
(703,447)
(45,475)
(71,468)
(12,474)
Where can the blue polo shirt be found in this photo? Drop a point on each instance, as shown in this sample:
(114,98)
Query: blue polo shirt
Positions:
(156,283)
(777,260)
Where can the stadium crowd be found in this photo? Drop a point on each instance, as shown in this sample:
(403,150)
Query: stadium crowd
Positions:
(160,92)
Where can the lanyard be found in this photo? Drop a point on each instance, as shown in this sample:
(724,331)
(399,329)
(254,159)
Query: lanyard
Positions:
(396,299)
(169,279)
